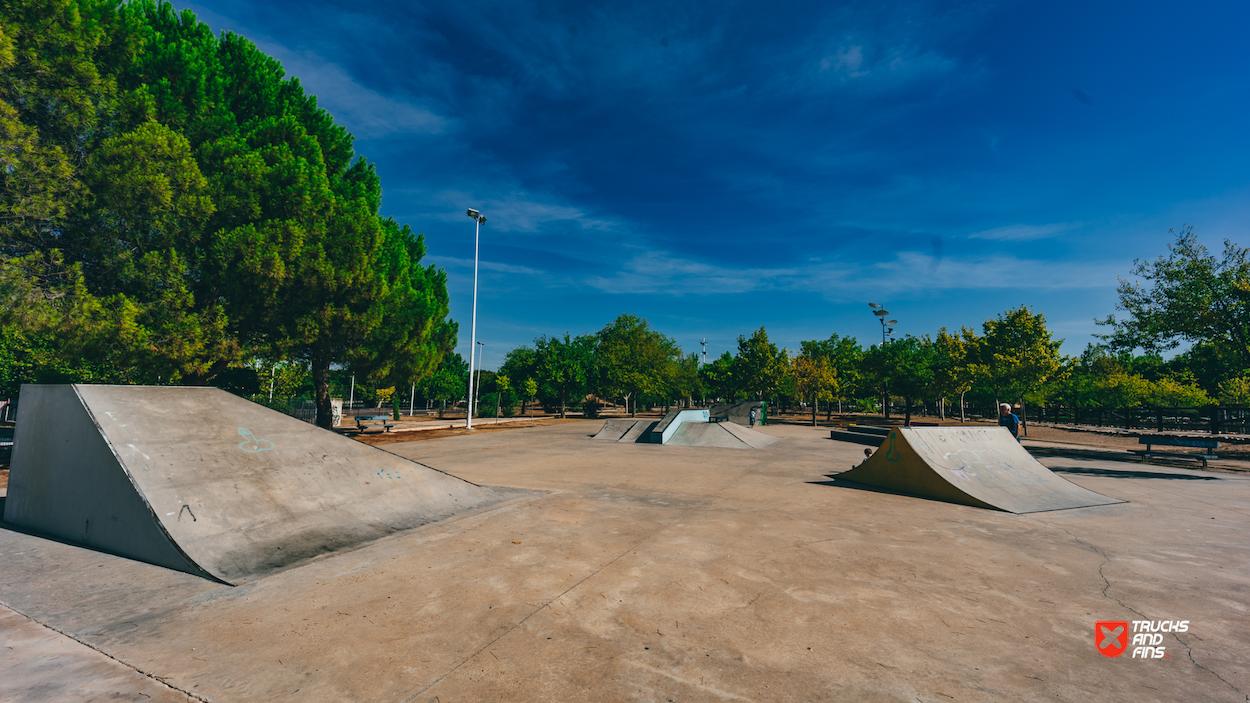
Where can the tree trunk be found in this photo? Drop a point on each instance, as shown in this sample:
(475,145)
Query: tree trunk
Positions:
(563,403)
(814,411)
(907,412)
(633,412)
(1024,424)
(961,407)
(321,384)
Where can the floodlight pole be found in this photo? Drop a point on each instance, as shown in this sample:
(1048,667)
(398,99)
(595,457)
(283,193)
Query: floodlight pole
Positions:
(477,230)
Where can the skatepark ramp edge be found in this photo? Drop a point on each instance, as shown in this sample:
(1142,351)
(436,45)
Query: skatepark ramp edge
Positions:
(202,481)
(979,466)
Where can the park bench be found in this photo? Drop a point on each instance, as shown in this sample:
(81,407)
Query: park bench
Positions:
(1150,441)
(364,423)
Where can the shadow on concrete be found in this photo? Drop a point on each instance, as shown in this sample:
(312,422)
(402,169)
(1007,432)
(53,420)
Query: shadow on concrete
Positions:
(843,483)
(1120,473)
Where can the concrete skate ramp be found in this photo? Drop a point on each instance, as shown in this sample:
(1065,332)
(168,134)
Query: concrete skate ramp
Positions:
(673,421)
(719,434)
(980,466)
(199,480)
(738,413)
(613,430)
(640,433)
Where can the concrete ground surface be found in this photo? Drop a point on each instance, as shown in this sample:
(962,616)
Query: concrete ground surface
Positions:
(657,573)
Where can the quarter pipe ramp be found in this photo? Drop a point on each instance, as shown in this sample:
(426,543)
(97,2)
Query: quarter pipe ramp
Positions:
(980,466)
(199,480)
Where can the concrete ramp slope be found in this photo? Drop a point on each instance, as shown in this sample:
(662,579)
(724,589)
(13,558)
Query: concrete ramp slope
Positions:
(673,420)
(719,434)
(749,437)
(737,413)
(979,466)
(202,481)
(639,433)
(613,430)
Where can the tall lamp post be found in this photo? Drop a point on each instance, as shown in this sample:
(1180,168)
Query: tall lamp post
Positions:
(887,331)
(477,230)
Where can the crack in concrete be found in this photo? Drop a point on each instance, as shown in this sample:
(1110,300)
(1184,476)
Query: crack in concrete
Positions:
(589,576)
(1106,560)
(93,648)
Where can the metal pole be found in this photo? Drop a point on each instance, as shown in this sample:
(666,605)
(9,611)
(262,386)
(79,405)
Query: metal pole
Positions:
(477,229)
(272,371)
(412,400)
(351,397)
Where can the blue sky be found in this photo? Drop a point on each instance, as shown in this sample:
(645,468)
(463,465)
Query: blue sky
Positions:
(719,166)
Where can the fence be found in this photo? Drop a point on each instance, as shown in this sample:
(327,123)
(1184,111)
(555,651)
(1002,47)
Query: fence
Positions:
(1211,419)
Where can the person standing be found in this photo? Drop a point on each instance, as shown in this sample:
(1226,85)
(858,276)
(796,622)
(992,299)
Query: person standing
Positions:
(752,417)
(1008,419)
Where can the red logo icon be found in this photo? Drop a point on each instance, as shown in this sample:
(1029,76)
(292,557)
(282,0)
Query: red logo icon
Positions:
(1111,637)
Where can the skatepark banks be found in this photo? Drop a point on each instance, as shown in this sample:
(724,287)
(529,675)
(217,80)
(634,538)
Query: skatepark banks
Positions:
(579,569)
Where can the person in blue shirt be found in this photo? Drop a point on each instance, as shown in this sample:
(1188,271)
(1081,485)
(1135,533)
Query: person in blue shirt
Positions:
(1008,419)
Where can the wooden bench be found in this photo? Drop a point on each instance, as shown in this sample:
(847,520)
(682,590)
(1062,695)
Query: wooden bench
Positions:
(364,423)
(1150,441)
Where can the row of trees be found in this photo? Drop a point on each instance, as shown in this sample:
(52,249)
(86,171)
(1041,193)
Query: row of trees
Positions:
(172,206)
(1188,296)
(1013,358)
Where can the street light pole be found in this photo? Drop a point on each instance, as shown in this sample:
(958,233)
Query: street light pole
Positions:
(477,230)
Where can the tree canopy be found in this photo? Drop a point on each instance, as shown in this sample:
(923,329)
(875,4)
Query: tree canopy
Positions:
(171,205)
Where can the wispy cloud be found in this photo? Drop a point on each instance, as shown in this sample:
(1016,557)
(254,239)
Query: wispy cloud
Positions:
(1024,233)
(453,262)
(511,211)
(364,111)
(908,272)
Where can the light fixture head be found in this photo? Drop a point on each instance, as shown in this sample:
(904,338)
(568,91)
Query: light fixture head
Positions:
(891,322)
(473,213)
(881,313)
(873,305)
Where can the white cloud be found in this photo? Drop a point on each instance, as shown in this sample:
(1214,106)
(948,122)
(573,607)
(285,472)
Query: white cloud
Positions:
(656,272)
(453,262)
(363,111)
(1024,233)
(846,59)
(515,211)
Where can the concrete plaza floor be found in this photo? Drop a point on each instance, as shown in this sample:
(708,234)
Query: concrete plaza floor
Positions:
(653,573)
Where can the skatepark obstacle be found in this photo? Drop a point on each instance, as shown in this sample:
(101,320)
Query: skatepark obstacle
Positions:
(202,481)
(980,466)
(684,428)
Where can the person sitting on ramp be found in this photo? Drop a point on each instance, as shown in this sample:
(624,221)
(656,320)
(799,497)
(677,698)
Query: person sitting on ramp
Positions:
(1008,419)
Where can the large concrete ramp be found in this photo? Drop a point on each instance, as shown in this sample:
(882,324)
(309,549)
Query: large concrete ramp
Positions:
(738,413)
(673,421)
(639,433)
(980,466)
(613,430)
(199,480)
(719,434)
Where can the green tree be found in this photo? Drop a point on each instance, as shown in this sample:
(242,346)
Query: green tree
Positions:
(564,366)
(814,375)
(631,359)
(717,378)
(954,364)
(1188,295)
(760,366)
(1018,354)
